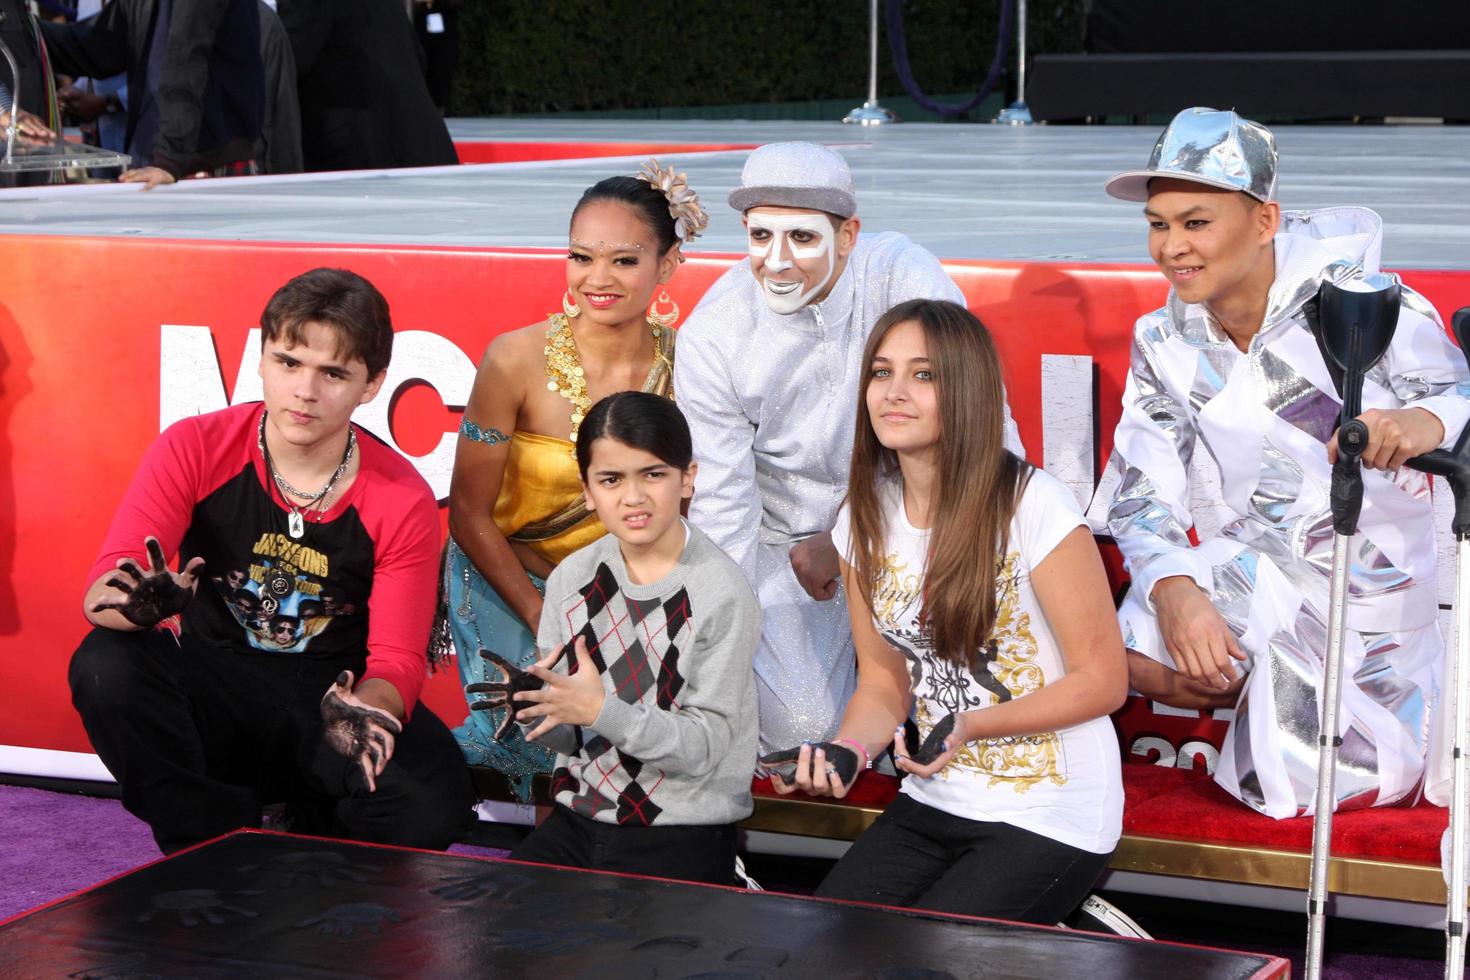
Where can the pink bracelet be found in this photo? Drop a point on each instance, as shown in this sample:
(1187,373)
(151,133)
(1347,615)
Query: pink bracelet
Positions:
(867,760)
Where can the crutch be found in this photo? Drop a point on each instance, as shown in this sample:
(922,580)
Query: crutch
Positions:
(1454,466)
(1353,331)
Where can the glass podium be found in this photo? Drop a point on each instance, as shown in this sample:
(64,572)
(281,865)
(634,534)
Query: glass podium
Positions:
(61,159)
(24,154)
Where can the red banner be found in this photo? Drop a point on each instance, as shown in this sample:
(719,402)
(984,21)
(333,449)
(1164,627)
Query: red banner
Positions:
(104,340)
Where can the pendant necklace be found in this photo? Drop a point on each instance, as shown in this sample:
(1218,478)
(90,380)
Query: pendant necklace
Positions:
(317,500)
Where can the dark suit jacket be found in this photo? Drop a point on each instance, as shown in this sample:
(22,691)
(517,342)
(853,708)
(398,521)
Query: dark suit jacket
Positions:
(211,89)
(280,150)
(364,101)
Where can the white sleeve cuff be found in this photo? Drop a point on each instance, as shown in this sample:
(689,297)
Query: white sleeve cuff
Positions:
(1452,410)
(1182,562)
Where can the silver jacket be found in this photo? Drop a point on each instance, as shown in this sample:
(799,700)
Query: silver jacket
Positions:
(1265,415)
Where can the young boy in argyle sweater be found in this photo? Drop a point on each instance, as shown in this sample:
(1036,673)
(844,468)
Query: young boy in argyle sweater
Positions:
(647,694)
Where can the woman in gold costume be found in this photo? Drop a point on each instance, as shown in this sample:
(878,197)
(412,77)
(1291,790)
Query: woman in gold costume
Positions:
(515,504)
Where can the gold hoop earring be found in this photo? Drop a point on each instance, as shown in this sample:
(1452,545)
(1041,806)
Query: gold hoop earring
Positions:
(569,304)
(664,320)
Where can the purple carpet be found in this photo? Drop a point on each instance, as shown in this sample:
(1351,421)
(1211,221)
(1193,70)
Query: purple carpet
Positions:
(60,843)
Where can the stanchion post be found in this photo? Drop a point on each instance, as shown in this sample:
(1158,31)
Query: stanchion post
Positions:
(870,113)
(1017,113)
(10,127)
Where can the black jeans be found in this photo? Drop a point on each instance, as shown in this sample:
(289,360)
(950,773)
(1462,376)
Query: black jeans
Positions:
(200,739)
(684,852)
(919,857)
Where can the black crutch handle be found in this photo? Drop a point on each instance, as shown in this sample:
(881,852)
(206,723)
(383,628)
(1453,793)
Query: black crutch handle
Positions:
(1352,438)
(1353,329)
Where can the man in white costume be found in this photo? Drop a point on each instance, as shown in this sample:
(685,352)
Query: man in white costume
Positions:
(1231,364)
(767,373)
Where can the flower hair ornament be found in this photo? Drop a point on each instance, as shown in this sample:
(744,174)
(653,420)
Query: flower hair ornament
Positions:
(690,219)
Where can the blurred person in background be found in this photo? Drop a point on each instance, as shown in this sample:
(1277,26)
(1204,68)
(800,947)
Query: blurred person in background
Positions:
(194,74)
(436,22)
(364,102)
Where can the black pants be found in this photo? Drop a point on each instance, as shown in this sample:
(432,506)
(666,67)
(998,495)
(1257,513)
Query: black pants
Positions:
(200,739)
(685,852)
(919,857)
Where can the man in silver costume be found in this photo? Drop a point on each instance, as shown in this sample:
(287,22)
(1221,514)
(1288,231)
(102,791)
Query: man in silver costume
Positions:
(1230,363)
(767,374)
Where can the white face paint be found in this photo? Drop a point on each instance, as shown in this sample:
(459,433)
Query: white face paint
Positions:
(791,255)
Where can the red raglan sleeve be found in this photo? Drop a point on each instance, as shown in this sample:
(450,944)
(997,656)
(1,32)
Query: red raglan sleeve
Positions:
(405,583)
(160,500)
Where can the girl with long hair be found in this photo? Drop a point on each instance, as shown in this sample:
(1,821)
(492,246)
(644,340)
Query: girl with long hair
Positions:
(516,503)
(980,609)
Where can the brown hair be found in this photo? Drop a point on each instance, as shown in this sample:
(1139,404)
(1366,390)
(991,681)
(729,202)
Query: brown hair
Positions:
(340,299)
(976,488)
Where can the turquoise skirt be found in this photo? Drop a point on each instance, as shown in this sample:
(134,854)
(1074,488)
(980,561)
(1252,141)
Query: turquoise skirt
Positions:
(480,620)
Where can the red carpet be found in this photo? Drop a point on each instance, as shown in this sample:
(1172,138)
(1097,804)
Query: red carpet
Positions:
(1163,801)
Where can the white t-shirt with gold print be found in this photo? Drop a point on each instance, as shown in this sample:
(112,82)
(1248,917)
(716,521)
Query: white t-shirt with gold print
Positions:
(1064,785)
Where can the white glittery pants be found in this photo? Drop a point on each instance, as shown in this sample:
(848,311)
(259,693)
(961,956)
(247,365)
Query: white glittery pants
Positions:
(805,665)
(1390,683)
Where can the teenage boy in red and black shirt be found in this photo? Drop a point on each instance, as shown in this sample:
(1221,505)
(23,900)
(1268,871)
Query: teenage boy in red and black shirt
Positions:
(309,552)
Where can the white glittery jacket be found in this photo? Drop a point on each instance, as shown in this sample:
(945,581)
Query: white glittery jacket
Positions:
(1265,415)
(771,401)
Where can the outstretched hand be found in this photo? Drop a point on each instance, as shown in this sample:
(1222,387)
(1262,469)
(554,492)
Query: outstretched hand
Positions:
(501,694)
(563,699)
(148,598)
(933,754)
(356,729)
(823,769)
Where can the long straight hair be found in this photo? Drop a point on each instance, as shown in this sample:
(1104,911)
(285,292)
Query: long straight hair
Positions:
(976,487)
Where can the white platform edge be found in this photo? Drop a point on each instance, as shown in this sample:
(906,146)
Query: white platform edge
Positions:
(22,761)
(1389,911)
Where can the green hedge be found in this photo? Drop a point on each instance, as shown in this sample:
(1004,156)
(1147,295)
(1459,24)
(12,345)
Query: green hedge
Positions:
(539,56)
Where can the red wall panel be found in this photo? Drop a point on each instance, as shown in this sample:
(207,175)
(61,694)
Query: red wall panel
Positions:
(80,385)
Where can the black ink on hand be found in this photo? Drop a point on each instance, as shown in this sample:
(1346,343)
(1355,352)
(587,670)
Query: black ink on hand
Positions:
(357,730)
(843,760)
(152,596)
(933,744)
(501,694)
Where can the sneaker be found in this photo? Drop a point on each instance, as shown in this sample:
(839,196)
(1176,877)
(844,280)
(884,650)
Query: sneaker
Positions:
(744,879)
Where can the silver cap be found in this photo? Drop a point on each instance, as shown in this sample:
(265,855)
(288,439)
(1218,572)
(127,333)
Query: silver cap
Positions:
(796,175)
(1207,146)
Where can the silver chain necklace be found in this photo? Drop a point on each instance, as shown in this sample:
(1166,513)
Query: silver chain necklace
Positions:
(296,521)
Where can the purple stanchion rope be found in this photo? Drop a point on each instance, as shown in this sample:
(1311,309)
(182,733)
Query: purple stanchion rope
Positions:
(893,15)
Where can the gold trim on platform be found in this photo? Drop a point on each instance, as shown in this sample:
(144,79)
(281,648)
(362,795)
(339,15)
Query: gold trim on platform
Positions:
(810,818)
(1253,865)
